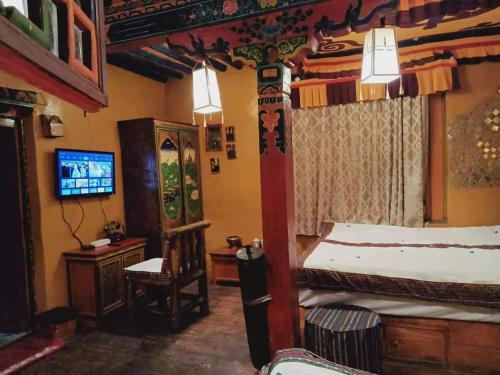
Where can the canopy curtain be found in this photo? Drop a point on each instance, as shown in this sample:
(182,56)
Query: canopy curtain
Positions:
(361,163)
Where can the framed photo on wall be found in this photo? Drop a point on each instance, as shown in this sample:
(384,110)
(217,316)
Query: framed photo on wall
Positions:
(231,151)
(213,137)
(230,137)
(214,165)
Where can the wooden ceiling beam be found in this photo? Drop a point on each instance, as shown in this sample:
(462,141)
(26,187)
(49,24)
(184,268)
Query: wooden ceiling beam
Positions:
(141,58)
(158,57)
(163,48)
(146,69)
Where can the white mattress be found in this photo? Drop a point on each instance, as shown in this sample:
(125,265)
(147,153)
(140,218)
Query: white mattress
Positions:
(383,234)
(400,306)
(454,265)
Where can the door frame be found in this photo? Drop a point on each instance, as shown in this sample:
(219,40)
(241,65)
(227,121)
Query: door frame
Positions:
(28,279)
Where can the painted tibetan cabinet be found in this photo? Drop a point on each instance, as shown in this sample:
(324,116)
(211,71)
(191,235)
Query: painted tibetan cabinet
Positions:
(161,178)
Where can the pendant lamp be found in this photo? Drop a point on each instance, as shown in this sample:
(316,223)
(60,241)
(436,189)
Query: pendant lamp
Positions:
(206,95)
(380,57)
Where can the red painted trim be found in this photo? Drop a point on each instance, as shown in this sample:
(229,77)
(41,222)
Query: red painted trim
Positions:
(14,64)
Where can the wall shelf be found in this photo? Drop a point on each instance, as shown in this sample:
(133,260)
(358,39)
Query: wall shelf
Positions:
(26,59)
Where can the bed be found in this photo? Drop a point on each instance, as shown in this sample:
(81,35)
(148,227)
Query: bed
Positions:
(445,265)
(437,289)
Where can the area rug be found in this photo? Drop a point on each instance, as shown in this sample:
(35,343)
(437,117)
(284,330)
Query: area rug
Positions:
(8,338)
(27,351)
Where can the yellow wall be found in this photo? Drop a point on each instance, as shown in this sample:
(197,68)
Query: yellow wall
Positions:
(466,207)
(130,96)
(231,199)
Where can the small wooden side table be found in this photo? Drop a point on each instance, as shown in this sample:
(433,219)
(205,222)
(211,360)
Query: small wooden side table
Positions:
(95,277)
(224,265)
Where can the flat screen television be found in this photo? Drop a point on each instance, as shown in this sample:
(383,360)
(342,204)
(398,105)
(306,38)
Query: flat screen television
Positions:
(81,173)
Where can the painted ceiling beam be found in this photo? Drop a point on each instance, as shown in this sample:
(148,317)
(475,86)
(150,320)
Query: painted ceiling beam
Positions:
(133,21)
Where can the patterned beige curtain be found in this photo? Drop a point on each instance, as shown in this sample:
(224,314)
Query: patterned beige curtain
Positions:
(361,163)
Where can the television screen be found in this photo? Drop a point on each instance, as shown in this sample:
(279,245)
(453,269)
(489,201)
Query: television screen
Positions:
(84,173)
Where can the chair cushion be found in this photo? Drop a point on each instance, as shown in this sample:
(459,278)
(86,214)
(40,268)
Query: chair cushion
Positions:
(151,267)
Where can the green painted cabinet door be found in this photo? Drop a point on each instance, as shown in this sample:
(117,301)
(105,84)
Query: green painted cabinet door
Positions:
(170,178)
(190,154)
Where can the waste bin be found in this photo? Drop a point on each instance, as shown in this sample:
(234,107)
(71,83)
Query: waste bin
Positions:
(252,270)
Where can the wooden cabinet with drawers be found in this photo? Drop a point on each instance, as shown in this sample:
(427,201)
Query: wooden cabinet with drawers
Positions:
(95,277)
(224,265)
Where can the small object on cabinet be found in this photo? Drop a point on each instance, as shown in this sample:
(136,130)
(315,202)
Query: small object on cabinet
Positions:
(214,165)
(230,137)
(115,231)
(213,138)
(234,241)
(52,126)
(231,151)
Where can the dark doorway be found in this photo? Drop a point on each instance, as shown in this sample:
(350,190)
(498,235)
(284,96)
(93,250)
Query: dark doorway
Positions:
(14,277)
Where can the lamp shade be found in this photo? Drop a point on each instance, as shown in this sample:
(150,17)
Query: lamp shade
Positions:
(380,57)
(206,95)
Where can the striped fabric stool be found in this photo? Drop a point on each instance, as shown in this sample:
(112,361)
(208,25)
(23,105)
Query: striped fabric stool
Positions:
(346,335)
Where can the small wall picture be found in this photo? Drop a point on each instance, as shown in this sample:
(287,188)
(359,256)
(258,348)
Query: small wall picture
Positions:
(213,137)
(214,165)
(231,151)
(230,137)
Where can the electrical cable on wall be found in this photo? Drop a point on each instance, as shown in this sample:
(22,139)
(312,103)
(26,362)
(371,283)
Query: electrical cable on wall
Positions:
(74,232)
(106,221)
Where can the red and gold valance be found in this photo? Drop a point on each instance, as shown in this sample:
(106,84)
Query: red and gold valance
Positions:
(425,69)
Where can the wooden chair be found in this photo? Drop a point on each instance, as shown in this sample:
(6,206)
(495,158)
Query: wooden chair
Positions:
(183,263)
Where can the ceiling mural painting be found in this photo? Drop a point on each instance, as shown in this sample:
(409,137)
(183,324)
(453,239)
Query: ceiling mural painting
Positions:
(169,37)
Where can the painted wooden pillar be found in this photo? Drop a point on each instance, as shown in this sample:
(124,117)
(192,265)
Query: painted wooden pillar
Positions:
(278,215)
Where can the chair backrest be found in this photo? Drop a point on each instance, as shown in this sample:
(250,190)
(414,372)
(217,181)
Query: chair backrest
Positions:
(184,250)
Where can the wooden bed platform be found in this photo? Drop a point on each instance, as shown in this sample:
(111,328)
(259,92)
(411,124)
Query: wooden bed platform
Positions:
(427,346)
(437,346)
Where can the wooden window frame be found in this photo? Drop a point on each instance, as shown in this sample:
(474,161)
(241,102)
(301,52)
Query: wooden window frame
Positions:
(435,194)
(77,17)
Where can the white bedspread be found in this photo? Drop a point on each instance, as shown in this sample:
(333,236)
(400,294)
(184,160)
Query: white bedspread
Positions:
(454,265)
(383,234)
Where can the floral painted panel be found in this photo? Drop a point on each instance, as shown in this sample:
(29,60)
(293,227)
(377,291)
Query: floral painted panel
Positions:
(191,179)
(171,180)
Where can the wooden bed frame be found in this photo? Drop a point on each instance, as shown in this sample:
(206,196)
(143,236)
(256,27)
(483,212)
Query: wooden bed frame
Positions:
(415,345)
(436,346)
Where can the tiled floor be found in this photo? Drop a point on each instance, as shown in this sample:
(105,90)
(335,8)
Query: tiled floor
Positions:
(215,344)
